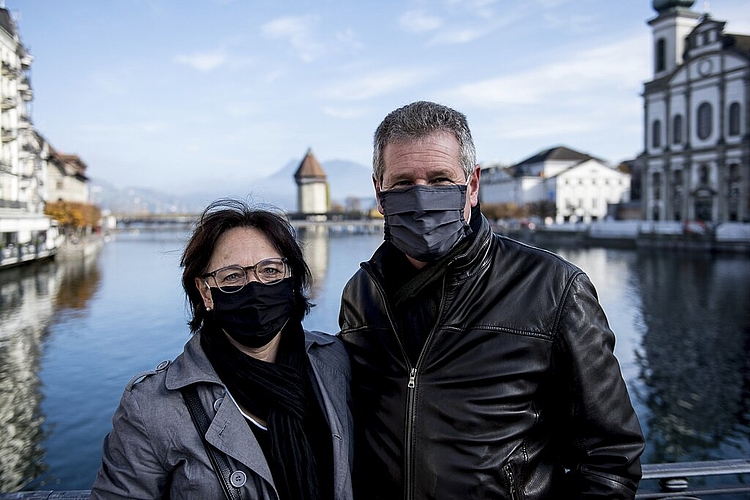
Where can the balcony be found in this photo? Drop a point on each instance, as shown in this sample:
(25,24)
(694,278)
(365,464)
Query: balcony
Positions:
(8,71)
(24,121)
(7,134)
(8,103)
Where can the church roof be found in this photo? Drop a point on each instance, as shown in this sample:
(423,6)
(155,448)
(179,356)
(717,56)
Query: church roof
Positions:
(309,168)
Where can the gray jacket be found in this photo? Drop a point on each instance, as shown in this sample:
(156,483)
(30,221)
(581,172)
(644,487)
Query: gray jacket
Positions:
(155,451)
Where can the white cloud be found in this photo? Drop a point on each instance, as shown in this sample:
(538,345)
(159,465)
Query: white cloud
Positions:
(479,8)
(345,113)
(619,65)
(204,61)
(456,36)
(419,21)
(299,32)
(375,84)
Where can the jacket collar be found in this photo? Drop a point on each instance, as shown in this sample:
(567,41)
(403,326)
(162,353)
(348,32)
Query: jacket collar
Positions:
(462,264)
(193,366)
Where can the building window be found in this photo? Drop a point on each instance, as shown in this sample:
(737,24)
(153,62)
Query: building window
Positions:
(734,118)
(704,175)
(677,129)
(656,134)
(704,121)
(656,189)
(733,190)
(661,55)
(677,195)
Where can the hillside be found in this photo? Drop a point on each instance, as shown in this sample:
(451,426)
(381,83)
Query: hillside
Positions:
(346,179)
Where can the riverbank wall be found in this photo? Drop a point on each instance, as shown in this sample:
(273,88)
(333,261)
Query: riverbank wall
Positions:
(728,237)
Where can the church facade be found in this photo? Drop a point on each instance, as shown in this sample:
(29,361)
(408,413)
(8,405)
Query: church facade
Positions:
(696,159)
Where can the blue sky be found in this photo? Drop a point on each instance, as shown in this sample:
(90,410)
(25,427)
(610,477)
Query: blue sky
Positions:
(177,95)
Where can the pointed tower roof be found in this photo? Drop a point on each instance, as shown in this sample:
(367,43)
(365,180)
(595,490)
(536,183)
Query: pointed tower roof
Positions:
(309,168)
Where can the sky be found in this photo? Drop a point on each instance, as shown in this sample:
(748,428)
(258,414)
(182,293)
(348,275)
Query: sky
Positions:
(177,95)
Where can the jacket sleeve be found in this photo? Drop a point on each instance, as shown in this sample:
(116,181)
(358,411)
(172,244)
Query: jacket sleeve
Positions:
(130,467)
(603,439)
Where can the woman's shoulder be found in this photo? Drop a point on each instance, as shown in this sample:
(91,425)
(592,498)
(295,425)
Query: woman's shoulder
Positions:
(149,378)
(328,349)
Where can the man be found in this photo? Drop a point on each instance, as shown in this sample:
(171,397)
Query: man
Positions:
(482,367)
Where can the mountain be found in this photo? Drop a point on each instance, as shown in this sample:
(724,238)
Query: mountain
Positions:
(346,180)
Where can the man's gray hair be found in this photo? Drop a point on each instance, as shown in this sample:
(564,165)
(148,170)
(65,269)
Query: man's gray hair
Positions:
(418,120)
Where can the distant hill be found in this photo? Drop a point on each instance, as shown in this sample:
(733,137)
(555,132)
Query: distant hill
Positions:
(346,179)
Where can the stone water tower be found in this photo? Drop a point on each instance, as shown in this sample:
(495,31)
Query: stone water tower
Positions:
(312,187)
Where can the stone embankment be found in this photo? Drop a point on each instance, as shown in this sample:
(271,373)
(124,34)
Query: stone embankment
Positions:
(688,235)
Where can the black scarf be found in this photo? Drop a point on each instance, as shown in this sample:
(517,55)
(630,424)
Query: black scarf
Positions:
(415,293)
(282,394)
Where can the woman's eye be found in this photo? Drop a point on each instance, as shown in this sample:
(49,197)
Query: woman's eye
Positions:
(231,278)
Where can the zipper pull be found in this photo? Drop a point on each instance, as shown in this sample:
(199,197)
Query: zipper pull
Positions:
(412,378)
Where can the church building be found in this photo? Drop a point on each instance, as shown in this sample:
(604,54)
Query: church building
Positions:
(696,159)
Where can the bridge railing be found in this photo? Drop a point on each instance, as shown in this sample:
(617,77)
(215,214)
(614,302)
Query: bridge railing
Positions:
(720,479)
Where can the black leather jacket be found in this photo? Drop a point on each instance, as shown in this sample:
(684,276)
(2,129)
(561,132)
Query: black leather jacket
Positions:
(516,393)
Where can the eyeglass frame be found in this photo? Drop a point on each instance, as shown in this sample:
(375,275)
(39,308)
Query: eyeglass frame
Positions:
(212,274)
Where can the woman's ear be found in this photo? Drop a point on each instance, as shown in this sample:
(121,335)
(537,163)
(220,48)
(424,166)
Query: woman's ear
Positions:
(205,292)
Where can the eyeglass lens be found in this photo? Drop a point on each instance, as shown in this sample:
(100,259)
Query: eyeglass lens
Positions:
(233,278)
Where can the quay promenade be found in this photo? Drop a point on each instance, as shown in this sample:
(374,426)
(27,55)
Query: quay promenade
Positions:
(729,237)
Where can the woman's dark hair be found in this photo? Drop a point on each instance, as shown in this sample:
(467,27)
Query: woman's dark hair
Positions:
(228,213)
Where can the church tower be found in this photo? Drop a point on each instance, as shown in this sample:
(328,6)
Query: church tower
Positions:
(670,28)
(312,187)
(696,158)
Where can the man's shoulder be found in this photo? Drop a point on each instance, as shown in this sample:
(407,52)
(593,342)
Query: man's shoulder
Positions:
(512,249)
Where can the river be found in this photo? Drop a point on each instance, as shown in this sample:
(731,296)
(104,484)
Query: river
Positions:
(73,332)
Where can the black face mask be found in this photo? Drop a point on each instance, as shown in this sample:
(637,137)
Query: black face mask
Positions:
(254,315)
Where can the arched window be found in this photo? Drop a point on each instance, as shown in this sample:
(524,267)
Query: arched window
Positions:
(734,118)
(705,122)
(660,55)
(677,129)
(656,134)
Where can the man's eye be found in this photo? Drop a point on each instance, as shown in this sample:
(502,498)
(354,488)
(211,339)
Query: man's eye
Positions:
(402,184)
(442,181)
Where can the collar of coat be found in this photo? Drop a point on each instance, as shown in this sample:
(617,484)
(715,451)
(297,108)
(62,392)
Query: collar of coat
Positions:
(193,366)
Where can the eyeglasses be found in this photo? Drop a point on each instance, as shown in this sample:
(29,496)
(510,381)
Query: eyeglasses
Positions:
(231,279)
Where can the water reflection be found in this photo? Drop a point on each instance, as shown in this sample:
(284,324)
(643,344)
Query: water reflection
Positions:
(72,334)
(315,247)
(694,362)
(29,297)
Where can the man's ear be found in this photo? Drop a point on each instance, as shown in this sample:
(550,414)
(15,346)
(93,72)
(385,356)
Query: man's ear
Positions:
(474,186)
(376,184)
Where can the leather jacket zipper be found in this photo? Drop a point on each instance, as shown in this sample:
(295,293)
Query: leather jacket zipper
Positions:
(411,384)
(512,486)
(408,435)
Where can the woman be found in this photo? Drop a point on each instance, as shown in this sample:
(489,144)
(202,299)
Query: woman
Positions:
(276,396)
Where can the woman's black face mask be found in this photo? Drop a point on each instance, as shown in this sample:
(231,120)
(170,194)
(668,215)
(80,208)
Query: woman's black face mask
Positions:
(254,315)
